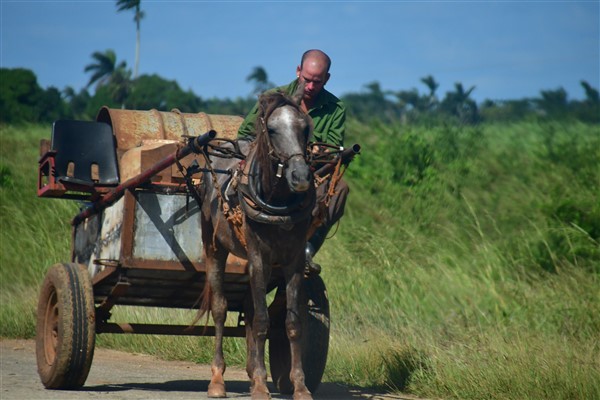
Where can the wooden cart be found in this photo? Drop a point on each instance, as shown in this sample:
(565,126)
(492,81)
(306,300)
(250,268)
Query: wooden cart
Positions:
(137,243)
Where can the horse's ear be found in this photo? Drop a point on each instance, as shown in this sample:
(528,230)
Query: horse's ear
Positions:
(299,93)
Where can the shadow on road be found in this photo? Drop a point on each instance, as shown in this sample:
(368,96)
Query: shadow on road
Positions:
(235,389)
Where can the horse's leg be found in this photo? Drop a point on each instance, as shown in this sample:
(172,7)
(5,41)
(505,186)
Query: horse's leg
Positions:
(215,275)
(293,325)
(260,328)
(250,344)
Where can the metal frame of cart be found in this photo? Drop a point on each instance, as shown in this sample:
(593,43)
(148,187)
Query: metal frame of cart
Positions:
(137,243)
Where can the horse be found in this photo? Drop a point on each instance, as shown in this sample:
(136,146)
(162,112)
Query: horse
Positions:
(274,189)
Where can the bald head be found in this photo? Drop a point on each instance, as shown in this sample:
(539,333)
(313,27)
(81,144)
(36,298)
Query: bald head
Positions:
(313,71)
(317,57)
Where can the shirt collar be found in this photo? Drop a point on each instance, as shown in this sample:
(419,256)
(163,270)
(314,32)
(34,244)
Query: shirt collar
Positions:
(322,99)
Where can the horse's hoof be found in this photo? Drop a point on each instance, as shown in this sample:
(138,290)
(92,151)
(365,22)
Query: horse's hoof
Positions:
(216,390)
(303,395)
(260,394)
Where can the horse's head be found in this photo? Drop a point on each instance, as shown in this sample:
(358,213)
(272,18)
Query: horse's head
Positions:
(284,136)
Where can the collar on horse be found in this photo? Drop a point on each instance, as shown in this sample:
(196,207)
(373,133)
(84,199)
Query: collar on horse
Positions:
(257,209)
(249,188)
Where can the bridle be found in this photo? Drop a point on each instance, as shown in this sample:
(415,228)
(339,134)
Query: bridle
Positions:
(281,161)
(254,206)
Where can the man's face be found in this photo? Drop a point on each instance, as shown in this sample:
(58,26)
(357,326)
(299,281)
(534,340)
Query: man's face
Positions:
(315,76)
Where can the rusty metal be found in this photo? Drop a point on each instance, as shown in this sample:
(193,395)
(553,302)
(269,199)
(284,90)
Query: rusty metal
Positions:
(132,127)
(45,146)
(114,194)
(119,290)
(277,315)
(128,227)
(104,275)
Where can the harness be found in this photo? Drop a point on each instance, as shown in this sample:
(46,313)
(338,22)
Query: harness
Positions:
(242,194)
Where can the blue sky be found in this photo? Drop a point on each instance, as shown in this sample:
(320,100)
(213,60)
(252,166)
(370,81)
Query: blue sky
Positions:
(507,49)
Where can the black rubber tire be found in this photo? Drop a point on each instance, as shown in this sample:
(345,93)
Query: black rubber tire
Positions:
(65,332)
(315,341)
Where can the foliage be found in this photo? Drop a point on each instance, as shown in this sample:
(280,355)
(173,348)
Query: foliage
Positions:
(459,104)
(508,110)
(22,99)
(77,102)
(152,91)
(372,104)
(466,265)
(109,75)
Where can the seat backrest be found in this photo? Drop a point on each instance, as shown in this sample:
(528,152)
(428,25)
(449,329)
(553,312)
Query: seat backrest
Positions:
(85,151)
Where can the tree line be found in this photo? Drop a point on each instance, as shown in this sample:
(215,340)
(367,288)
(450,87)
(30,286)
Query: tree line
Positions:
(23,100)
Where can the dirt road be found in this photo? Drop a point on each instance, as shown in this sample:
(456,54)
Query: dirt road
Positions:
(118,375)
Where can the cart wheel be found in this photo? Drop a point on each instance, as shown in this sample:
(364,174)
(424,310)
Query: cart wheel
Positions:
(315,341)
(65,331)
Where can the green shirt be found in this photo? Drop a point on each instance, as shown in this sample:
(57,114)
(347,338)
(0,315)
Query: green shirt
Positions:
(328,115)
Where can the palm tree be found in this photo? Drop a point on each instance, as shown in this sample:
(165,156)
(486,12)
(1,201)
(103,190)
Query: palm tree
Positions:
(591,94)
(106,72)
(589,109)
(460,104)
(121,84)
(261,80)
(553,102)
(123,5)
(103,68)
(409,99)
(430,82)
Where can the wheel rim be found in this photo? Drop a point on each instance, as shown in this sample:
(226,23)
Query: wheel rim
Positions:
(51,328)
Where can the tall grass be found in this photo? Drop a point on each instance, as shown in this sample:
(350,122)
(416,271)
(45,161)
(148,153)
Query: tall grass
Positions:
(34,233)
(467,264)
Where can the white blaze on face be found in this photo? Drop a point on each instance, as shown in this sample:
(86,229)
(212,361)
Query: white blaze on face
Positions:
(287,127)
(286,123)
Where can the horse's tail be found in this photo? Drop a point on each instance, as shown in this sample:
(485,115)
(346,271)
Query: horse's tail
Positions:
(205,301)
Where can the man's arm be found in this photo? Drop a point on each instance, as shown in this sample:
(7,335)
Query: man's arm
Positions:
(337,131)
(330,124)
(246,129)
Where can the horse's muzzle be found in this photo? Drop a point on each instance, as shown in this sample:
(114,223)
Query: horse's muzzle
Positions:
(298,174)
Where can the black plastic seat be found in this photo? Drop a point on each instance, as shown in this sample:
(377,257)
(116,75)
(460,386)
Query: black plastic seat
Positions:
(85,153)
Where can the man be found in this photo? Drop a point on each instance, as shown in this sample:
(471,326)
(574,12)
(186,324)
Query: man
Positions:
(329,116)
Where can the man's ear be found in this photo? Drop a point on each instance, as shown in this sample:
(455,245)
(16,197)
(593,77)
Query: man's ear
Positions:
(299,93)
(298,70)
(326,78)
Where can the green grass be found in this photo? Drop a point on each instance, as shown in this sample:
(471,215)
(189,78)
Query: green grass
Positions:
(467,265)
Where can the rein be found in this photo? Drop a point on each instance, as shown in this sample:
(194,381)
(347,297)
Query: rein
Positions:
(274,155)
(254,206)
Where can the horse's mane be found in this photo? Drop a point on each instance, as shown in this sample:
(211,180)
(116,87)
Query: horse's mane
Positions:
(267,103)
